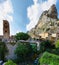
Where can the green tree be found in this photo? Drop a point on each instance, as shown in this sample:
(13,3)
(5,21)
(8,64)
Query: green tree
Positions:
(3,50)
(23,51)
(10,62)
(46,46)
(22,36)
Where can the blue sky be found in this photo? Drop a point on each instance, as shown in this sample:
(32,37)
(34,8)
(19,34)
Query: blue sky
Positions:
(23,14)
(20,14)
(57,6)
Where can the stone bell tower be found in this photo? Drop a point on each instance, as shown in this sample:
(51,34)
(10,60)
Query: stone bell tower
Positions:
(6,29)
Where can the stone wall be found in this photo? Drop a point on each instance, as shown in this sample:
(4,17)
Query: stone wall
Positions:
(11,49)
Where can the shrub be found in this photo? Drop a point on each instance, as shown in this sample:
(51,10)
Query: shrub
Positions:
(57,44)
(3,50)
(55,51)
(49,59)
(46,46)
(10,62)
(34,47)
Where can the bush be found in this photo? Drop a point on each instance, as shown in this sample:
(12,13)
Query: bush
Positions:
(49,59)
(34,47)
(3,50)
(46,46)
(57,44)
(55,51)
(10,62)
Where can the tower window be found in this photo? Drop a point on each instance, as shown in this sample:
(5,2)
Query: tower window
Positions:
(5,31)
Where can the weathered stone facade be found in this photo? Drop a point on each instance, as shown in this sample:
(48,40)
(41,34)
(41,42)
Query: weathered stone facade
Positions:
(6,29)
(6,33)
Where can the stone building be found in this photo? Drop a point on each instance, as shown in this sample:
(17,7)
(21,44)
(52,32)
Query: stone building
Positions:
(8,39)
(6,33)
(6,29)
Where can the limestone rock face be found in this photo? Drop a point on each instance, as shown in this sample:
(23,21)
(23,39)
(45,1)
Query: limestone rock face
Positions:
(52,12)
(6,29)
(47,23)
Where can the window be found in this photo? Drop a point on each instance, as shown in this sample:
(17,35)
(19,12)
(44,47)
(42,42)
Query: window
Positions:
(5,31)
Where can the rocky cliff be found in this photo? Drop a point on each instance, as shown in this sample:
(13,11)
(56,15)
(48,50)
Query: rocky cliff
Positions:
(47,23)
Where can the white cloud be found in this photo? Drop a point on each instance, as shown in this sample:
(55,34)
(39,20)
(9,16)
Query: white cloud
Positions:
(47,4)
(34,11)
(18,31)
(6,11)
(35,1)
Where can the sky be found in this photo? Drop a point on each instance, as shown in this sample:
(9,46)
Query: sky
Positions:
(23,15)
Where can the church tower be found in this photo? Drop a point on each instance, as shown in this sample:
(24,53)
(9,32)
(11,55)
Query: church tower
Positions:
(6,29)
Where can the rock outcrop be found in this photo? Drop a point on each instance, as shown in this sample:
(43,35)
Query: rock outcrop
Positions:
(47,24)
(52,12)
